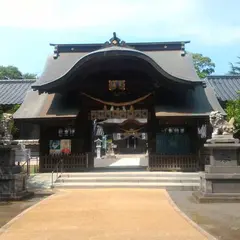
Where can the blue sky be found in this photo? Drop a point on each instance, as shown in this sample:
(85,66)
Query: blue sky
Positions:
(28,26)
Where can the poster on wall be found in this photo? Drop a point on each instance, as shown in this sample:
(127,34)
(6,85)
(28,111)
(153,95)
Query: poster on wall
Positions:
(54,147)
(60,146)
(65,146)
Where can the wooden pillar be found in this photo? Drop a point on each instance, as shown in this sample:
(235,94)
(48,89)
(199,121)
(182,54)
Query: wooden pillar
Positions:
(151,128)
(43,147)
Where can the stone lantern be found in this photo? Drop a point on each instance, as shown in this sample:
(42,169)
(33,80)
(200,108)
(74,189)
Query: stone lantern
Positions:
(98,147)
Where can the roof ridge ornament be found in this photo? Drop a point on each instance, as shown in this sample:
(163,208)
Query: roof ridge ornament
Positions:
(56,52)
(115,41)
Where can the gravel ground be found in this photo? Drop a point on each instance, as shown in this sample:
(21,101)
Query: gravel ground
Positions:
(222,220)
(103,214)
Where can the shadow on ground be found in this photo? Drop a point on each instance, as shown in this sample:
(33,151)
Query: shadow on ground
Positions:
(222,220)
(9,210)
(39,184)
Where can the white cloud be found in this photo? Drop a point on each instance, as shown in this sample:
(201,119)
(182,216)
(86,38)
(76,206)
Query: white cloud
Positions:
(52,14)
(221,35)
(175,19)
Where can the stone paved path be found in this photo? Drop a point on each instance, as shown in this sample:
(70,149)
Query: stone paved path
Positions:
(102,214)
(125,160)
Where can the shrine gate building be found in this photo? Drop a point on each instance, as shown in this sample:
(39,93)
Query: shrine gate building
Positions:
(134,98)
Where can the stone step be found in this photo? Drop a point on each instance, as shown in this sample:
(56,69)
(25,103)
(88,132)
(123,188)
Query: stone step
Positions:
(162,185)
(130,179)
(131,174)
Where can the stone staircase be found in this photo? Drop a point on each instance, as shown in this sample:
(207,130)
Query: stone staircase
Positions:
(130,179)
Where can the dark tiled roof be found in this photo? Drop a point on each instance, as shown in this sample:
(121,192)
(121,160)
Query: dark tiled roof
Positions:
(140,46)
(169,63)
(36,106)
(116,41)
(44,105)
(225,87)
(14,91)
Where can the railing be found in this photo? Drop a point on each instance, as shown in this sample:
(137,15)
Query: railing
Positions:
(30,166)
(73,162)
(58,170)
(25,167)
(173,162)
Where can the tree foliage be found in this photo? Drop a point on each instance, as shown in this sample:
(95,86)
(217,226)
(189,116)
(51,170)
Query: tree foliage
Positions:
(233,110)
(203,65)
(12,72)
(235,69)
(29,76)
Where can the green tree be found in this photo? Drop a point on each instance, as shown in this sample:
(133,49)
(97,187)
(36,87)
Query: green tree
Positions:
(203,65)
(29,76)
(235,69)
(12,72)
(233,110)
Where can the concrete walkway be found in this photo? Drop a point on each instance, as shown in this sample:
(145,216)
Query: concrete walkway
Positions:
(122,162)
(99,214)
(126,160)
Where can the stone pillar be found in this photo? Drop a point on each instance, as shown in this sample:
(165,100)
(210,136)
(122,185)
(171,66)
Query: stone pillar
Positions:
(12,179)
(98,152)
(220,182)
(98,147)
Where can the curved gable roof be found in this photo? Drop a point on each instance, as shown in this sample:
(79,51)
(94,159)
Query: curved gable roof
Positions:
(171,64)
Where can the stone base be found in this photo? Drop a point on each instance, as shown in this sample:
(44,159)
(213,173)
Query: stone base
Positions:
(13,187)
(201,197)
(220,183)
(110,156)
(221,180)
(223,139)
(218,187)
(16,196)
(222,169)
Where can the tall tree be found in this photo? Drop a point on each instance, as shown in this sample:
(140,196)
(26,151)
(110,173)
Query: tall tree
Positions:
(203,65)
(29,76)
(12,72)
(235,69)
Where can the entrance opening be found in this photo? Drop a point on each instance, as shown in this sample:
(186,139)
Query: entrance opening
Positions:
(131,142)
(118,110)
(121,150)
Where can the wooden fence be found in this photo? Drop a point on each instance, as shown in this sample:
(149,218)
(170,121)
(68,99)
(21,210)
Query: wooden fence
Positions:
(73,162)
(159,162)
